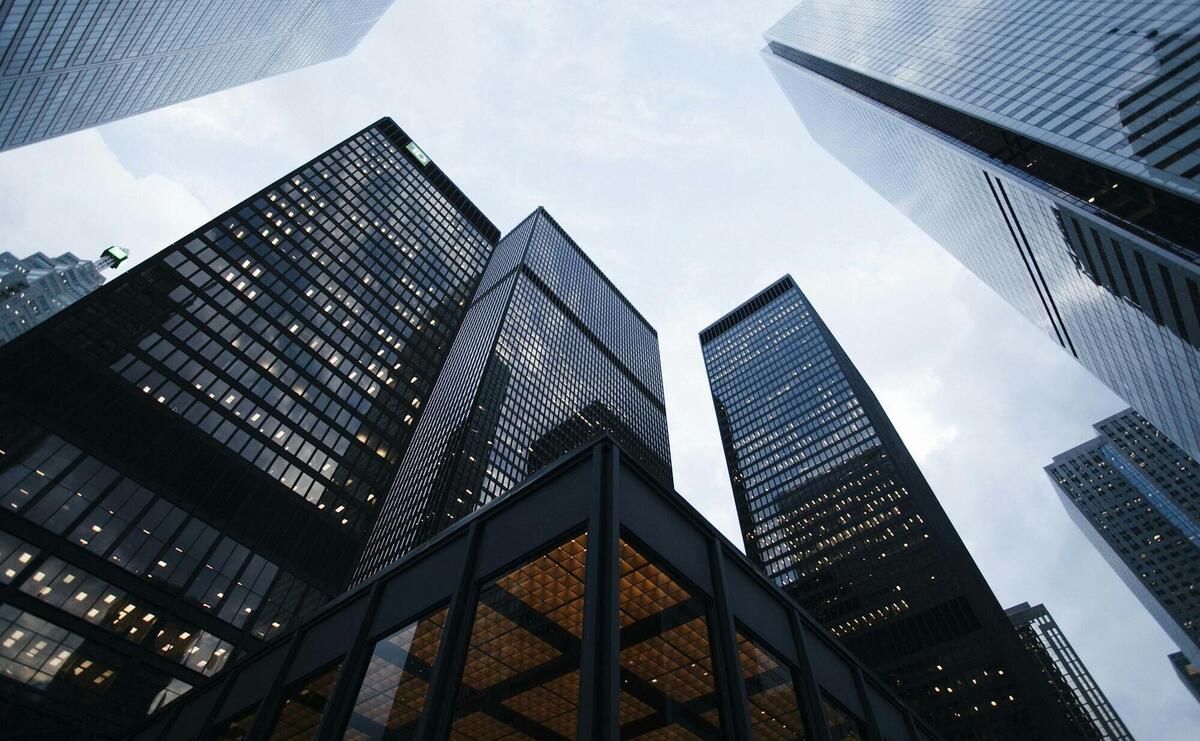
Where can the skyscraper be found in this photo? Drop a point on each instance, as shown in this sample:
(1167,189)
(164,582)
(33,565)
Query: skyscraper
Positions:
(1052,148)
(550,355)
(835,510)
(192,455)
(1078,694)
(590,603)
(66,65)
(35,288)
(1136,496)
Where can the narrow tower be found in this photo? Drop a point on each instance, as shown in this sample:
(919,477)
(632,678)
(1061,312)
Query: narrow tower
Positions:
(550,355)
(835,510)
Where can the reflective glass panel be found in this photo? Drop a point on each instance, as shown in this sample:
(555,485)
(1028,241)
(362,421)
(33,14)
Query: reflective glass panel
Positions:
(303,706)
(237,727)
(667,686)
(521,678)
(393,691)
(773,707)
(842,725)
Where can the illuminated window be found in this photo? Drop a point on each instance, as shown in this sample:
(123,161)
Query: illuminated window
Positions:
(842,725)
(667,688)
(521,677)
(773,708)
(393,691)
(303,706)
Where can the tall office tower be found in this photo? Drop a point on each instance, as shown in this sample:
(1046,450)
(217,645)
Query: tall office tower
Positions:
(35,288)
(549,356)
(1052,148)
(1078,694)
(1136,496)
(1188,673)
(192,455)
(66,65)
(835,510)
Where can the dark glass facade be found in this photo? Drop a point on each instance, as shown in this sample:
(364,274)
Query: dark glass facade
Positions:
(1054,150)
(1078,694)
(619,612)
(835,510)
(549,356)
(191,457)
(1136,496)
(67,65)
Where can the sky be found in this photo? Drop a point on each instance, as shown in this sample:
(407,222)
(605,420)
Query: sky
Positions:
(656,137)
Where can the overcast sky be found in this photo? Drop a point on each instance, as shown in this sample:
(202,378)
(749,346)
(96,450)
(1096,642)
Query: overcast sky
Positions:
(655,135)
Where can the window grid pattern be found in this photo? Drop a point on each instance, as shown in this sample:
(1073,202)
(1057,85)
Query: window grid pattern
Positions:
(1117,87)
(1136,496)
(55,485)
(531,376)
(236,406)
(521,678)
(831,515)
(70,64)
(1074,686)
(1126,309)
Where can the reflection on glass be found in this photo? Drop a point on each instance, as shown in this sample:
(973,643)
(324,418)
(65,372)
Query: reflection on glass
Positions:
(842,725)
(303,706)
(521,678)
(38,653)
(237,727)
(393,691)
(667,688)
(774,710)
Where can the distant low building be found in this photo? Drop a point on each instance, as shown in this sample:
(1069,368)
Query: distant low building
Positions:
(35,288)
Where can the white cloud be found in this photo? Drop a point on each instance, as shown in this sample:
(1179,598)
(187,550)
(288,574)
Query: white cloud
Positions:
(72,194)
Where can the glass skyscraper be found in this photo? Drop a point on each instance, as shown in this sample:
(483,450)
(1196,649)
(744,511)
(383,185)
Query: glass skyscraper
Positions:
(1076,689)
(1136,496)
(835,510)
(1052,148)
(191,456)
(35,288)
(66,65)
(549,356)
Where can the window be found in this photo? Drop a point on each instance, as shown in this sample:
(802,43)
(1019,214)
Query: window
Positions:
(773,708)
(842,725)
(521,678)
(392,694)
(303,706)
(667,688)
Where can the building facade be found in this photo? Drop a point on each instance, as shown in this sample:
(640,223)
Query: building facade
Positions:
(550,355)
(1078,694)
(192,455)
(1052,148)
(1136,496)
(619,613)
(835,510)
(67,65)
(35,288)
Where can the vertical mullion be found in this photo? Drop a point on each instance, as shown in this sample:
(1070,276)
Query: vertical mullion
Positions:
(268,708)
(335,717)
(600,647)
(733,690)
(438,715)
(806,680)
(868,711)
